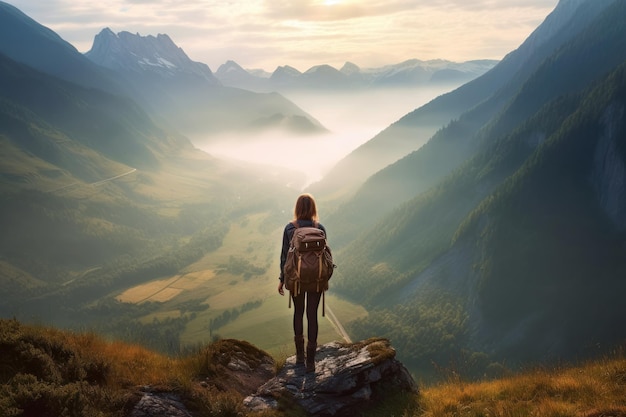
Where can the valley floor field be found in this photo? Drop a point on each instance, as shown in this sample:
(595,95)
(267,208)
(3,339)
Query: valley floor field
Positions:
(236,286)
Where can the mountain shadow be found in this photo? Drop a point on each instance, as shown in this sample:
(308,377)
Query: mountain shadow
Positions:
(459,112)
(503,110)
(524,241)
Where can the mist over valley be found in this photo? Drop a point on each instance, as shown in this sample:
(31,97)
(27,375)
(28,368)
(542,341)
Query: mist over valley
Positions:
(351,117)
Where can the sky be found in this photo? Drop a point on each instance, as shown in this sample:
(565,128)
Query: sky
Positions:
(265,34)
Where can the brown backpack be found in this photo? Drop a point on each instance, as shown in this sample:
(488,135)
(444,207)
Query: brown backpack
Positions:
(309,263)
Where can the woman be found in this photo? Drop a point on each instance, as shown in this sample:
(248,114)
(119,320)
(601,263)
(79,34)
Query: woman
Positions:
(305,215)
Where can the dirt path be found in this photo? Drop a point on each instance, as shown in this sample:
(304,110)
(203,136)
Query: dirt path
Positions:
(333,319)
(113,178)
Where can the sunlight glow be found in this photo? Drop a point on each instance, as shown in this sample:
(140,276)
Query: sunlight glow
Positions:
(259,33)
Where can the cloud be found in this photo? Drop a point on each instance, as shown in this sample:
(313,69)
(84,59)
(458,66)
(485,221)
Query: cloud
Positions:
(303,33)
(307,10)
(319,10)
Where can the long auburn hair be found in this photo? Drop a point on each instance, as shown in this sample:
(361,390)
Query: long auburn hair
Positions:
(305,209)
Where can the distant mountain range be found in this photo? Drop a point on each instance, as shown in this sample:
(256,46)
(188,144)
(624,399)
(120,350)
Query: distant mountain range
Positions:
(187,95)
(411,73)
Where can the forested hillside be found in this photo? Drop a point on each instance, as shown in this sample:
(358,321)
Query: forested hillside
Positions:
(583,57)
(523,237)
(465,109)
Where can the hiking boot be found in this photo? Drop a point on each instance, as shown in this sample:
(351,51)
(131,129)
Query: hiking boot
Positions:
(310,356)
(299,341)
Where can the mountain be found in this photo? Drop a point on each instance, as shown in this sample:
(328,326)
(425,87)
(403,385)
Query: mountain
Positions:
(506,241)
(232,74)
(417,72)
(150,56)
(449,146)
(63,147)
(489,91)
(284,75)
(411,73)
(324,76)
(185,93)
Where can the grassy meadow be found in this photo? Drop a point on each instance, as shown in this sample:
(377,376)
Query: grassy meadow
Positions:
(243,270)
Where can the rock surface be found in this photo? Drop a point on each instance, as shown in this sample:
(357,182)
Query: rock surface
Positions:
(159,404)
(347,378)
(232,365)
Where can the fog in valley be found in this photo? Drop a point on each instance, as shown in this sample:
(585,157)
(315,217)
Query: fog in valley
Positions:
(352,118)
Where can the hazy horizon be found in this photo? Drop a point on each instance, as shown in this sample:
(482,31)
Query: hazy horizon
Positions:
(353,118)
(261,34)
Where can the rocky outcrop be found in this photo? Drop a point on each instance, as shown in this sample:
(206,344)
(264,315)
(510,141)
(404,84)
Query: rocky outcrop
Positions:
(230,365)
(157,404)
(142,55)
(348,377)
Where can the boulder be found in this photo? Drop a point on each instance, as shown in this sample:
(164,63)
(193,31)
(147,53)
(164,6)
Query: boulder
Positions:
(347,377)
(156,404)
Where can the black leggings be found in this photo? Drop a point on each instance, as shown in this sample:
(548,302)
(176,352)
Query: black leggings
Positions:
(312,302)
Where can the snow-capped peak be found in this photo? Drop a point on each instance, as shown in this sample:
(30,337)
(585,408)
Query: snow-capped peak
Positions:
(133,53)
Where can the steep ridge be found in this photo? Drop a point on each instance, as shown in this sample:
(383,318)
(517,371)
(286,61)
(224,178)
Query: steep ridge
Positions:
(117,128)
(527,236)
(462,138)
(416,128)
(549,251)
(62,146)
(26,41)
(148,55)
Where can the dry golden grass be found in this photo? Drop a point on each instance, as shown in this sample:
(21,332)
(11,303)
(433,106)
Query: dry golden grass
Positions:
(46,371)
(596,389)
(129,365)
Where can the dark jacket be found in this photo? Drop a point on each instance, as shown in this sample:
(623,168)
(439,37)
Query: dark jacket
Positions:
(287,235)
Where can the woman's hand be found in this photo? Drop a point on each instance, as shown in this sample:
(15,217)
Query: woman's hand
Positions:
(281,291)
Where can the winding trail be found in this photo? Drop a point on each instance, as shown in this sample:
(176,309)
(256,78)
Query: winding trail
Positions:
(91,183)
(114,178)
(333,320)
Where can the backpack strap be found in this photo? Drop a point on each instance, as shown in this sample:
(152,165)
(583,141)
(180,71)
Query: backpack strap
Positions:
(296,291)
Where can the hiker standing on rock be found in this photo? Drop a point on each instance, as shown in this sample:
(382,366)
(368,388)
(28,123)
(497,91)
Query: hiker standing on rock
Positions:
(305,267)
